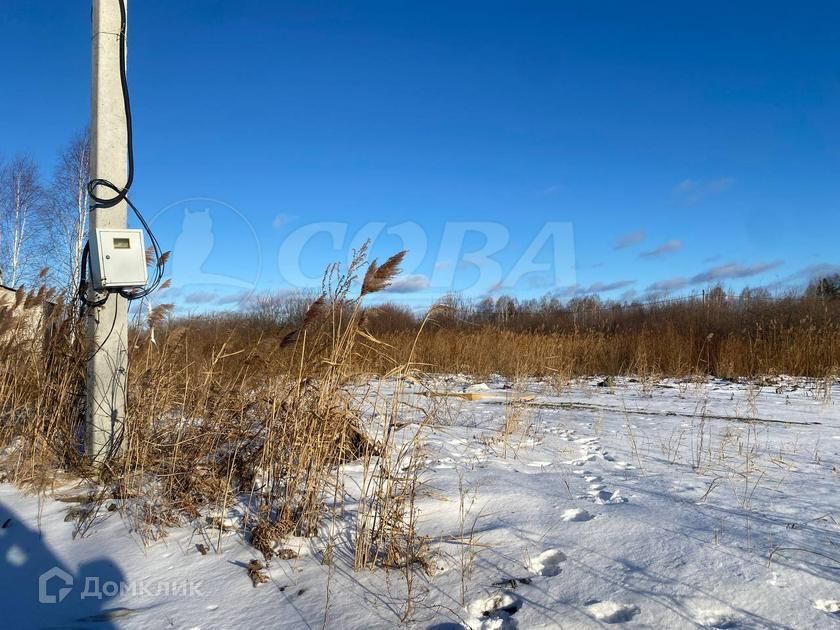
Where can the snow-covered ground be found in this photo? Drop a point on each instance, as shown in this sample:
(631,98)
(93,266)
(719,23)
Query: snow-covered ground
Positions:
(640,503)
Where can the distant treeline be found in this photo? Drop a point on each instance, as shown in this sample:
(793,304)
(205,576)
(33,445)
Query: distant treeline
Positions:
(746,334)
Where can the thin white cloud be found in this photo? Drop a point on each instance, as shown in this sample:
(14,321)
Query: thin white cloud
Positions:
(819,270)
(409,284)
(692,191)
(564,292)
(668,247)
(669,284)
(598,287)
(240,297)
(200,297)
(733,270)
(630,239)
(804,276)
(715,274)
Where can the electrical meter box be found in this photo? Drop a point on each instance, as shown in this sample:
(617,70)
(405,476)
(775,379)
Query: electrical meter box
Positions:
(118,259)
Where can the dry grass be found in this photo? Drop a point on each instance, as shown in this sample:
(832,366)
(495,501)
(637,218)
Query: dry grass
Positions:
(41,388)
(221,419)
(796,350)
(241,422)
(796,335)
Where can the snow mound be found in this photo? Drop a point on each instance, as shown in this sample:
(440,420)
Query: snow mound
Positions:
(576,515)
(547,563)
(494,613)
(605,497)
(715,618)
(612,612)
(828,605)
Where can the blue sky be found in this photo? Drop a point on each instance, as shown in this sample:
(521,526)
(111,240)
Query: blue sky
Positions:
(666,147)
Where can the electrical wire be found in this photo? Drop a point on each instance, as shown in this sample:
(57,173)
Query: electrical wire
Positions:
(120,194)
(101,202)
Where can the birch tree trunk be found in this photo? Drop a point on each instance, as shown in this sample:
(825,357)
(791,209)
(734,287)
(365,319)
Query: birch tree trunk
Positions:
(19,206)
(69,211)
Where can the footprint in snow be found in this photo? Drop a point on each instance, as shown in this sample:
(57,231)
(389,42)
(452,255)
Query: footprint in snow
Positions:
(582,460)
(605,497)
(831,606)
(494,613)
(612,612)
(710,615)
(775,580)
(576,515)
(547,564)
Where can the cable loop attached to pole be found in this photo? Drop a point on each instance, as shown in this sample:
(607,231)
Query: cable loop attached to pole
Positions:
(120,195)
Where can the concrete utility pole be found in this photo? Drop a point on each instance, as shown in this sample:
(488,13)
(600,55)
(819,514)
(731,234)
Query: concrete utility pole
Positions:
(107,324)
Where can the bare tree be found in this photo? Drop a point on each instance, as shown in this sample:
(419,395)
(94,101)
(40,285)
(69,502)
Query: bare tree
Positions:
(68,223)
(827,287)
(20,206)
(505,308)
(283,308)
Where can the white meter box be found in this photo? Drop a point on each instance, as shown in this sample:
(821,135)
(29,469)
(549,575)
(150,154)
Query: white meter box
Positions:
(118,259)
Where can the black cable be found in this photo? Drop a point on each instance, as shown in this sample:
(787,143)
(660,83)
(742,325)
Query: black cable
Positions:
(120,194)
(101,202)
(108,336)
(160,261)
